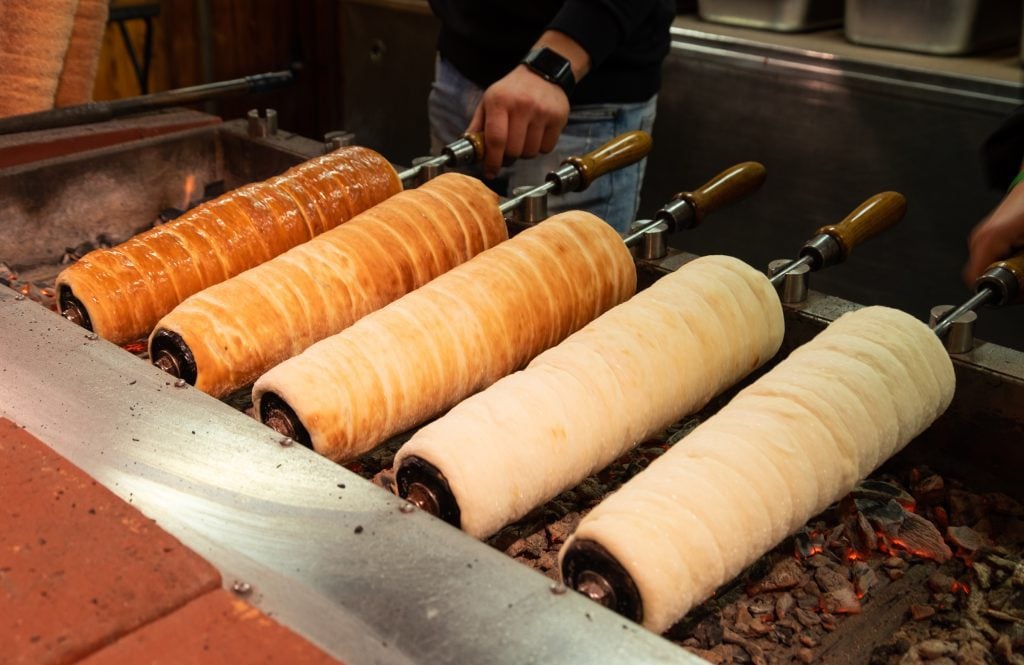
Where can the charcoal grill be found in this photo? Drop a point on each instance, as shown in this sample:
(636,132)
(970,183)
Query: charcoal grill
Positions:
(336,558)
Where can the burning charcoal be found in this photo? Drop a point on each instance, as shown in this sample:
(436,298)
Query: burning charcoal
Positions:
(864,578)
(932,649)
(965,507)
(921,612)
(863,538)
(784,632)
(1002,504)
(886,518)
(563,528)
(895,574)
(808,543)
(808,640)
(783,604)
(895,562)
(806,600)
(940,582)
(983,573)
(758,627)
(762,604)
(755,652)
(882,492)
(920,537)
(709,631)
(966,538)
(828,621)
(933,484)
(829,579)
(841,601)
(548,564)
(806,618)
(786,574)
(743,618)
(819,561)
(1004,649)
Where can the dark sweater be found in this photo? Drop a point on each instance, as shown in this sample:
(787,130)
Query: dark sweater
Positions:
(626,40)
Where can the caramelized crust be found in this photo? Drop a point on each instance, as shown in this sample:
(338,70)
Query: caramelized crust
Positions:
(126,289)
(240,328)
(458,334)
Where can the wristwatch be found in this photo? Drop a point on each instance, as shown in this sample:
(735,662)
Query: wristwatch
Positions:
(552,68)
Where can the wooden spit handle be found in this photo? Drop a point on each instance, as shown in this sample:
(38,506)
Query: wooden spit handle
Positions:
(878,213)
(729,186)
(621,151)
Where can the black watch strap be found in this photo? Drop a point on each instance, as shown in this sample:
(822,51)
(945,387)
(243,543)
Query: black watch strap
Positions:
(551,67)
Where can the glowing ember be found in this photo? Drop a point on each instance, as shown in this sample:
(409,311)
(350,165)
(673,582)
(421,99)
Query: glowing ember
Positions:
(190,189)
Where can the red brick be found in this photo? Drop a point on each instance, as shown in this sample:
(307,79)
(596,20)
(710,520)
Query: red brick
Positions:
(78,566)
(213,629)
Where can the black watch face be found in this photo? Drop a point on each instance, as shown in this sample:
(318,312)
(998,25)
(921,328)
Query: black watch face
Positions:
(552,64)
(552,67)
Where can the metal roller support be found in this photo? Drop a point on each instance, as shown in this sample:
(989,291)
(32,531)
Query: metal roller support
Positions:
(795,283)
(262,125)
(532,209)
(428,169)
(960,335)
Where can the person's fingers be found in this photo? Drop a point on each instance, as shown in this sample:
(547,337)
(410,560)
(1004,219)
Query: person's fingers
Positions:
(534,139)
(550,138)
(477,123)
(986,246)
(495,138)
(518,126)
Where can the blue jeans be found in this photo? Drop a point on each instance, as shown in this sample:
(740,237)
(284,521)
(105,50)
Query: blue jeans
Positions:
(614,197)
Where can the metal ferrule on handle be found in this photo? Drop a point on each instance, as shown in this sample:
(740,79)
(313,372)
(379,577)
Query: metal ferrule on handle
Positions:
(466,149)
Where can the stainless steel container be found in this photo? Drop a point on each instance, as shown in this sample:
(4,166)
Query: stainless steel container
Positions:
(943,27)
(778,15)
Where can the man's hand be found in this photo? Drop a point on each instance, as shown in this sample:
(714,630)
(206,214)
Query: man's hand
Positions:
(997,236)
(521,115)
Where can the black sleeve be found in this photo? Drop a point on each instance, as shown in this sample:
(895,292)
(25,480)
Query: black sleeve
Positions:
(1003,151)
(600,26)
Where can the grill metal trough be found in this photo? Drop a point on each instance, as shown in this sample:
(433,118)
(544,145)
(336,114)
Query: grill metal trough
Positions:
(405,587)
